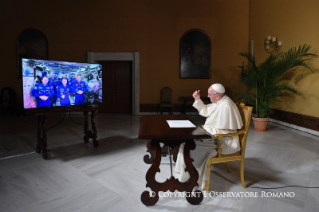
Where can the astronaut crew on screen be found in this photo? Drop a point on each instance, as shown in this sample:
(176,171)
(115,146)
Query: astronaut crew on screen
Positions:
(62,89)
(54,82)
(72,80)
(43,92)
(79,88)
(63,92)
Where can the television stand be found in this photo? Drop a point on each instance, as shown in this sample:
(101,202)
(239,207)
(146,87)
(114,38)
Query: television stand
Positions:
(41,146)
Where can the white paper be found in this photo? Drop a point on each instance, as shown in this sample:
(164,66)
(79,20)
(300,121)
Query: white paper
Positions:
(180,124)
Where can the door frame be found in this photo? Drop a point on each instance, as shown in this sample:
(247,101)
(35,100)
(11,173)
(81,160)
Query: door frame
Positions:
(134,57)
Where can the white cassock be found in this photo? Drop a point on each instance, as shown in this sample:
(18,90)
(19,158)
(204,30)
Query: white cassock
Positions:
(222,117)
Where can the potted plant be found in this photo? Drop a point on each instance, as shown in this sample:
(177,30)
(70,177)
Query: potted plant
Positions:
(264,82)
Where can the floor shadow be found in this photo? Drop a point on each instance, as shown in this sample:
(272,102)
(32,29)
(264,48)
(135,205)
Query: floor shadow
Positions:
(255,172)
(109,145)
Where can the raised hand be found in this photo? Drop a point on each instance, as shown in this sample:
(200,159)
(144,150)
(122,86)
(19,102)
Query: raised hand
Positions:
(196,95)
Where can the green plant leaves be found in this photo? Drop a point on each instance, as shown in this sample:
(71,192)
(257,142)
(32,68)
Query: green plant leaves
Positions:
(263,81)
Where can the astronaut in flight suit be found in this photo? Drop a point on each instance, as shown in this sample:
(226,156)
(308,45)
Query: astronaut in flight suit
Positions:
(79,88)
(54,82)
(72,80)
(43,91)
(63,77)
(63,92)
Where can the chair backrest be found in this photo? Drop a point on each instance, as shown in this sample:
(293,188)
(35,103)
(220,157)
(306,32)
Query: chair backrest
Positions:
(245,112)
(166,95)
(8,95)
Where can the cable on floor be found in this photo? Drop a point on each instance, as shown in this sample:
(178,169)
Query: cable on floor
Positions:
(288,186)
(74,121)
(56,124)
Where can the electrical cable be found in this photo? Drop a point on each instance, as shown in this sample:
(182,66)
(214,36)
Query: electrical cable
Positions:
(73,120)
(56,124)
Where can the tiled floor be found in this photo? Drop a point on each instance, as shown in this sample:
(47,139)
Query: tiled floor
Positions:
(78,177)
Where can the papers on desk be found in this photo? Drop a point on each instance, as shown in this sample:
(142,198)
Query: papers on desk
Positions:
(180,124)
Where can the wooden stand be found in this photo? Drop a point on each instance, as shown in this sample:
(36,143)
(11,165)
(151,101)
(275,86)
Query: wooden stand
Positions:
(41,146)
(90,133)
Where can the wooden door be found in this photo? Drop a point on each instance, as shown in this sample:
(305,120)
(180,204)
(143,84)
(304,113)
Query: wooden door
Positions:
(117,87)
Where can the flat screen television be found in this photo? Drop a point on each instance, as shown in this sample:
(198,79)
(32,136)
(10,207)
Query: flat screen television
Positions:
(48,83)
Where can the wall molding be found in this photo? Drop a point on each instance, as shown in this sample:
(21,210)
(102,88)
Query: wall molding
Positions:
(134,57)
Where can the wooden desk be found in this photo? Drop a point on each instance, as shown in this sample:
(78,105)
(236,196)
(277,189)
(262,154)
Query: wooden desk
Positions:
(156,130)
(186,99)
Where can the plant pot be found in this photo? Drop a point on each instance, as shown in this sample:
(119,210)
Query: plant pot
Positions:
(260,124)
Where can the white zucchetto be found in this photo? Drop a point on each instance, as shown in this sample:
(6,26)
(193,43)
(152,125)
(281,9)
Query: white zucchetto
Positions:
(219,88)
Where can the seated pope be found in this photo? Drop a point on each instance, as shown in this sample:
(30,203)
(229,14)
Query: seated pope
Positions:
(222,117)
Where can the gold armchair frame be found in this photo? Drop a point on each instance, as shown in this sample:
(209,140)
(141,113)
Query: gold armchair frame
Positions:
(245,112)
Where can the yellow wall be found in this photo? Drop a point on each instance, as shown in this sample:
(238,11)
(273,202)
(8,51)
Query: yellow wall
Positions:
(151,27)
(294,23)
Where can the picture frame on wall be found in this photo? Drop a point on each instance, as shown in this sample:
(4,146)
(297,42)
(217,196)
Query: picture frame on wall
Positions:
(31,44)
(195,55)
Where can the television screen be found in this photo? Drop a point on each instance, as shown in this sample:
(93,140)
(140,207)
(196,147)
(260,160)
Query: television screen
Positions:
(48,83)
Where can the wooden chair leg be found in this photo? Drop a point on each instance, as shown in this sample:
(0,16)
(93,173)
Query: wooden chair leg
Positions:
(228,167)
(242,163)
(208,177)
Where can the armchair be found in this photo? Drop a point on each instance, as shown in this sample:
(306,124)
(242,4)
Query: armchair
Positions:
(245,112)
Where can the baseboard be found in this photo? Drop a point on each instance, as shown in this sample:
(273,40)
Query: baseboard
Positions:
(302,129)
(300,120)
(296,121)
(148,108)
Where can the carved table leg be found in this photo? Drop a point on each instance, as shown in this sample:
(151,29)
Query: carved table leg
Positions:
(197,196)
(86,127)
(94,133)
(90,133)
(151,198)
(147,158)
(42,137)
(172,184)
(39,141)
